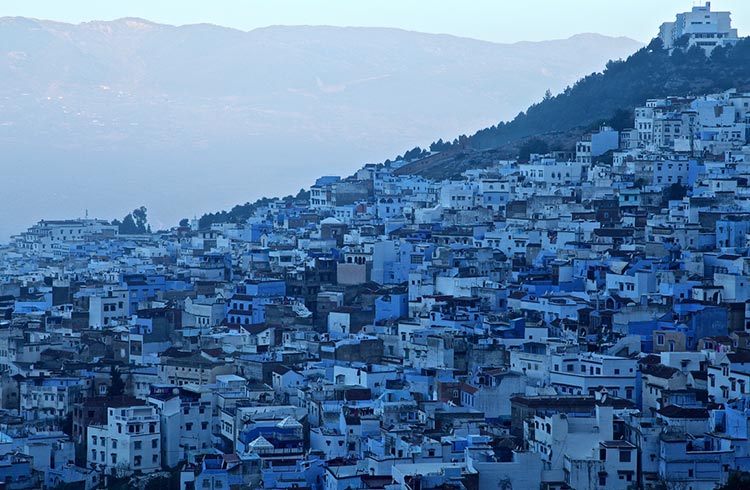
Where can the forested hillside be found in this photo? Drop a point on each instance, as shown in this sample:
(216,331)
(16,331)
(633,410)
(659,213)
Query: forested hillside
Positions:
(651,72)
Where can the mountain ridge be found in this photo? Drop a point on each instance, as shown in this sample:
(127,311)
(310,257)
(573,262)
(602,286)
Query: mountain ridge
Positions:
(140,20)
(270,106)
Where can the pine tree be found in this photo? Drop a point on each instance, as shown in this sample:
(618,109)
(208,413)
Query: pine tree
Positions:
(117,385)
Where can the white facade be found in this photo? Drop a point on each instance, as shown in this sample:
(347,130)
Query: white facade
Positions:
(130,441)
(703,27)
(110,307)
(581,451)
(549,171)
(457,196)
(49,398)
(587,374)
(46,236)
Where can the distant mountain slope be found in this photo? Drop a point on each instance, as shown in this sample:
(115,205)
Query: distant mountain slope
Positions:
(100,104)
(128,77)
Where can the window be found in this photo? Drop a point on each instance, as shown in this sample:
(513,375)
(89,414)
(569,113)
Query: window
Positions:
(114,443)
(137,461)
(154,443)
(625,456)
(137,445)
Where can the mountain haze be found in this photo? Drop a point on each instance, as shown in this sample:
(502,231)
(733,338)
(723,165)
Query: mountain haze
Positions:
(112,115)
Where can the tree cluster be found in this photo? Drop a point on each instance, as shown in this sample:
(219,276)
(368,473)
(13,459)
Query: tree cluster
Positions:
(241,212)
(136,222)
(532,145)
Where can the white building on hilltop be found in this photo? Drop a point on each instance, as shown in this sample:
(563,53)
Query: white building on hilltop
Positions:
(702,27)
(48,236)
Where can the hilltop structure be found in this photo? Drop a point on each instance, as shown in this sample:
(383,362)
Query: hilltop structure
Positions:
(700,27)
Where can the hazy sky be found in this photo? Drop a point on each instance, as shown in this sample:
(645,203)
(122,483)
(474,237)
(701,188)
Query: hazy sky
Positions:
(492,20)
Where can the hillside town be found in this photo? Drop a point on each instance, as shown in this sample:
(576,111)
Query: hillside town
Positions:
(571,320)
